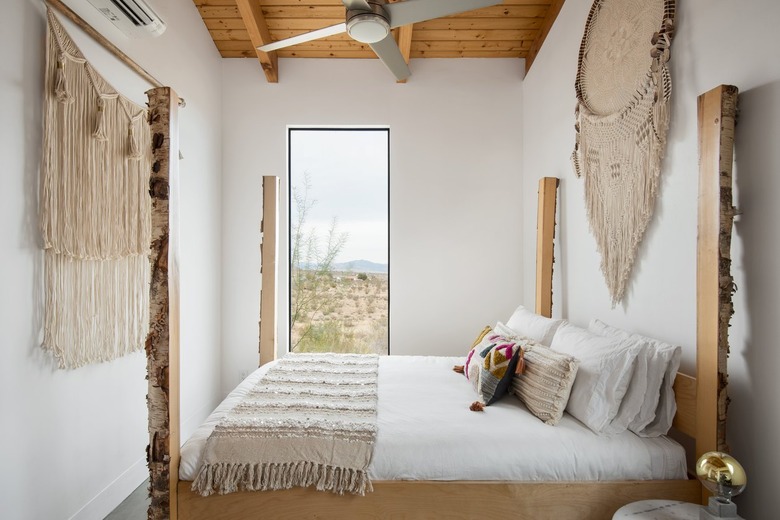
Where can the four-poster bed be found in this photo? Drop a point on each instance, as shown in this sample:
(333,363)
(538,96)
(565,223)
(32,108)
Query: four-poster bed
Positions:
(411,499)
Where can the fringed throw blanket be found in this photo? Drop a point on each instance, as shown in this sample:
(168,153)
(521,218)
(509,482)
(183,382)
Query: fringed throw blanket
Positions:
(310,421)
(95,211)
(623,92)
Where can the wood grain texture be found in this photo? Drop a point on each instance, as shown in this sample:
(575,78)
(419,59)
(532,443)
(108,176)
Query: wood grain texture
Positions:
(269,255)
(714,283)
(450,500)
(549,20)
(513,30)
(545,235)
(685,396)
(162,343)
(254,20)
(404,40)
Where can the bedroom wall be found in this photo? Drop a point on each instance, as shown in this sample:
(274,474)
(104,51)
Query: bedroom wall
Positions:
(455,187)
(73,443)
(717,41)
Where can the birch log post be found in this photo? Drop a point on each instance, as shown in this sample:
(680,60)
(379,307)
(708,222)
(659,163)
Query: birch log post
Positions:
(162,343)
(715,285)
(545,235)
(269,229)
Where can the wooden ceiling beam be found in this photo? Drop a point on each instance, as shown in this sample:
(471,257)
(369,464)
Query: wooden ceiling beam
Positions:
(254,20)
(337,12)
(549,20)
(404,40)
(513,29)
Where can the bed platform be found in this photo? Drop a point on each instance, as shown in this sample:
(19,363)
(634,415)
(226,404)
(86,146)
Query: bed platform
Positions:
(697,398)
(451,500)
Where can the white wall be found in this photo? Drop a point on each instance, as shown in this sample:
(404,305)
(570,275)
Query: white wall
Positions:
(455,142)
(73,442)
(717,41)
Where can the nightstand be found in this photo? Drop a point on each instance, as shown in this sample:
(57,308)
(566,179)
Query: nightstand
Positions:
(658,510)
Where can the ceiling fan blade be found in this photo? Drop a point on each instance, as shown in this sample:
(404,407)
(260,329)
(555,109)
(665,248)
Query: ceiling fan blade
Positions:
(413,11)
(387,51)
(305,37)
(356,5)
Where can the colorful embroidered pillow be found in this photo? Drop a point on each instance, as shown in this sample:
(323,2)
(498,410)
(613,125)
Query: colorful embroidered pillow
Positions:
(498,368)
(475,359)
(481,336)
(469,369)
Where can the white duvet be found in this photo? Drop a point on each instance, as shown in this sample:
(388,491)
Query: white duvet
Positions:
(427,432)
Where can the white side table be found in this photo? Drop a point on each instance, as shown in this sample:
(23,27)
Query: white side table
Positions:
(658,510)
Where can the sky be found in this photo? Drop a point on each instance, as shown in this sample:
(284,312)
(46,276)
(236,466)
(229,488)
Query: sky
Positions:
(348,174)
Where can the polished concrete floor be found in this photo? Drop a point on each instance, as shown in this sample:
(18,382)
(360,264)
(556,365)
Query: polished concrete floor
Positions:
(133,507)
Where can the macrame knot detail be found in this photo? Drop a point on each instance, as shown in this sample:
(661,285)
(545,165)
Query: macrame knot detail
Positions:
(95,212)
(100,121)
(61,91)
(621,125)
(134,149)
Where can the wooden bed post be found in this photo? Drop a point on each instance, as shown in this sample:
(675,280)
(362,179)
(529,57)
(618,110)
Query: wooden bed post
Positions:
(162,343)
(269,228)
(714,284)
(545,233)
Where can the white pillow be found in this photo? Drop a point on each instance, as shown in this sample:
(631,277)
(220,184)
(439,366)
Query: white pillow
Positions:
(533,326)
(630,411)
(603,377)
(664,362)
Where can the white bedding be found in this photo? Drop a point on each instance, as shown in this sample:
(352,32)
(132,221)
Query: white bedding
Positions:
(427,432)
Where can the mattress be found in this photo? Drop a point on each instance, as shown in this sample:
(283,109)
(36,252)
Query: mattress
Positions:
(427,432)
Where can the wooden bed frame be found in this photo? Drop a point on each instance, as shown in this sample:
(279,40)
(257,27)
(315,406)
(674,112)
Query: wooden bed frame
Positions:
(700,414)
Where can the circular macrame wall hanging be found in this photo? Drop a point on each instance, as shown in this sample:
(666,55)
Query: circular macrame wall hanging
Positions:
(623,89)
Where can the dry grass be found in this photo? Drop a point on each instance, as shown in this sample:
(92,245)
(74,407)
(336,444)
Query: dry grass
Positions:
(351,316)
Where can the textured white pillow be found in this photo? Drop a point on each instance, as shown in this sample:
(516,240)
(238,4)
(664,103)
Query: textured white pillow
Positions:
(545,385)
(630,409)
(603,377)
(664,362)
(533,326)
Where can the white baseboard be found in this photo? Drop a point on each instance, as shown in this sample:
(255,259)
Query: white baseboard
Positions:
(118,490)
(113,495)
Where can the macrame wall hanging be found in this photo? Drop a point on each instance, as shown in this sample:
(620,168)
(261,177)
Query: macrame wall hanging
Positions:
(623,91)
(95,211)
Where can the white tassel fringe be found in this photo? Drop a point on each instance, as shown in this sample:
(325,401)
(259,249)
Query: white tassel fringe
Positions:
(230,477)
(95,213)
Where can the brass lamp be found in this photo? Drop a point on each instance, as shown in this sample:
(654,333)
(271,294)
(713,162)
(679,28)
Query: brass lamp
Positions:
(725,477)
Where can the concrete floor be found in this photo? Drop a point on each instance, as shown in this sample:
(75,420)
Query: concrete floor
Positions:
(133,507)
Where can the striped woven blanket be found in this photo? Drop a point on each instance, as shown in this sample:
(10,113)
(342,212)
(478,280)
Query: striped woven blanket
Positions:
(310,421)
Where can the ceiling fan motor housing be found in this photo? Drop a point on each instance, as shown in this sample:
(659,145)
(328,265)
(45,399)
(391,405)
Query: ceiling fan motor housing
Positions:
(369,26)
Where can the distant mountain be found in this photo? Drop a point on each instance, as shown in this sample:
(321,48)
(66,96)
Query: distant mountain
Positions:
(360,266)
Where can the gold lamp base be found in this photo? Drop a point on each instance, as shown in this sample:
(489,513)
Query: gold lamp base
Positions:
(725,477)
(719,508)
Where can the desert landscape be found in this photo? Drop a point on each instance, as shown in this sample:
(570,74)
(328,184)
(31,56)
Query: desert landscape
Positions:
(340,311)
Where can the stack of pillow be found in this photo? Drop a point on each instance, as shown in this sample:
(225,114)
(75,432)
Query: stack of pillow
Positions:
(607,378)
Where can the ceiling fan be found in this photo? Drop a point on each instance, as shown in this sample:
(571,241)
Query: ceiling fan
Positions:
(370,21)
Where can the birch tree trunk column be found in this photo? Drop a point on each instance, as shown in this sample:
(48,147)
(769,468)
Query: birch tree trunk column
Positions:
(162,343)
(714,286)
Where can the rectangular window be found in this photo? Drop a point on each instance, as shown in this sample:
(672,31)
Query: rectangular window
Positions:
(339,239)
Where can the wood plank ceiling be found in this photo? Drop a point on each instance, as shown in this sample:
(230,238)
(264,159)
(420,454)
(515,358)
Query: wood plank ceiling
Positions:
(514,29)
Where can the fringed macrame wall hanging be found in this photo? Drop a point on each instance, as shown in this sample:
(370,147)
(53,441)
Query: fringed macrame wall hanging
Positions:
(623,92)
(95,211)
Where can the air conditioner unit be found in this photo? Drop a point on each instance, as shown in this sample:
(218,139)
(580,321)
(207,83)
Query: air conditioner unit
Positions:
(133,17)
